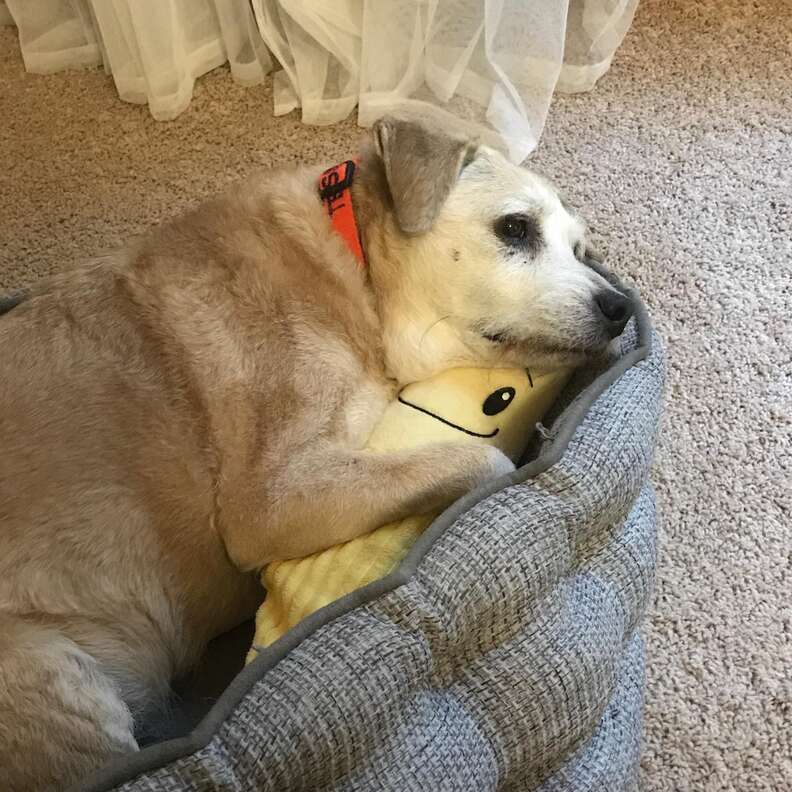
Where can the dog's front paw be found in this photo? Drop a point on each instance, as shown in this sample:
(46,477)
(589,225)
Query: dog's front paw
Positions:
(501,464)
(496,463)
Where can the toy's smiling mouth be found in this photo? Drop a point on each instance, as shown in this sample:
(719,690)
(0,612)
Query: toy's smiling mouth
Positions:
(448,423)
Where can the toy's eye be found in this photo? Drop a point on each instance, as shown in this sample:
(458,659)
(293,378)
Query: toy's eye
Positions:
(498,401)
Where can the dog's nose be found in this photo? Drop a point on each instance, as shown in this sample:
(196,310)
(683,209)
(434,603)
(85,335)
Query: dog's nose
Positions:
(615,309)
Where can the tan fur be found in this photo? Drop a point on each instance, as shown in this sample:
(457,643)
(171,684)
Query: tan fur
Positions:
(181,414)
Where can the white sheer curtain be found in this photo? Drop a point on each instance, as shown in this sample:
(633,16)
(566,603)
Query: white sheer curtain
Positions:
(489,65)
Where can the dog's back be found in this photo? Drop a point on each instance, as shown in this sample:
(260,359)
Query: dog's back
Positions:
(125,386)
(101,490)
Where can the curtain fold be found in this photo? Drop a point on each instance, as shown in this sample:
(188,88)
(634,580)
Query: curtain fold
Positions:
(490,66)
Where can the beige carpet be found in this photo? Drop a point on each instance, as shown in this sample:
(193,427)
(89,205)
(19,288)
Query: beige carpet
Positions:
(682,158)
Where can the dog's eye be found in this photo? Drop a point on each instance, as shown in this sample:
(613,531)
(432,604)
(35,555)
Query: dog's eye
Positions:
(512,227)
(518,229)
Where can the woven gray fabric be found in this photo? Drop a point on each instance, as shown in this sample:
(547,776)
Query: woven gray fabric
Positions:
(509,658)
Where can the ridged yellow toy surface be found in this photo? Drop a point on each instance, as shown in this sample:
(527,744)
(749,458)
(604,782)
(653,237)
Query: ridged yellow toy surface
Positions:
(496,406)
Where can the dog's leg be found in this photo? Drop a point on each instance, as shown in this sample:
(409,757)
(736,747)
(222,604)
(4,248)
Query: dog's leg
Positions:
(332,495)
(60,717)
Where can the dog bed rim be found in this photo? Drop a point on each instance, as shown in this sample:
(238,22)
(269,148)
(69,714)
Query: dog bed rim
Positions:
(161,754)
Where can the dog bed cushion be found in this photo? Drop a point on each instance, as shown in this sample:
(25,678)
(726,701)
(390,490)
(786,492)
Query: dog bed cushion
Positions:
(504,652)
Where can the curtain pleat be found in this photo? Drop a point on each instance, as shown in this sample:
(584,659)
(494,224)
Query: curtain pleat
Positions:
(490,66)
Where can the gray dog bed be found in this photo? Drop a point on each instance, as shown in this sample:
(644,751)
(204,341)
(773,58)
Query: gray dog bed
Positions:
(504,653)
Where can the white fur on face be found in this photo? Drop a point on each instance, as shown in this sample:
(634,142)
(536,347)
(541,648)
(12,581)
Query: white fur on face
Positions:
(463,286)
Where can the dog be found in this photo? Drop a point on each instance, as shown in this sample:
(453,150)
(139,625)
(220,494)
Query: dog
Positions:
(179,414)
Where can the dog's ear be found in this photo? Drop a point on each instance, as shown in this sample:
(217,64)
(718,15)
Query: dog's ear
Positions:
(421,167)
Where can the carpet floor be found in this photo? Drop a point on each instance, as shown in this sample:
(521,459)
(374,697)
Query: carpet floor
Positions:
(682,160)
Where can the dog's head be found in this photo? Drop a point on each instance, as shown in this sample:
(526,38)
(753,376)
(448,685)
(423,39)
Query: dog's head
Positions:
(487,264)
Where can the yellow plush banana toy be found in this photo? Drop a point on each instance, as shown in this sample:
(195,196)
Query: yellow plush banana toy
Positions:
(496,406)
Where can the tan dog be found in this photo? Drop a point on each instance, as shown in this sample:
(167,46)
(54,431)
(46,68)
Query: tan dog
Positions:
(179,415)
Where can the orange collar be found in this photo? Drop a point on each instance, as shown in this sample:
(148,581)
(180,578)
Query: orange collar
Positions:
(335,190)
